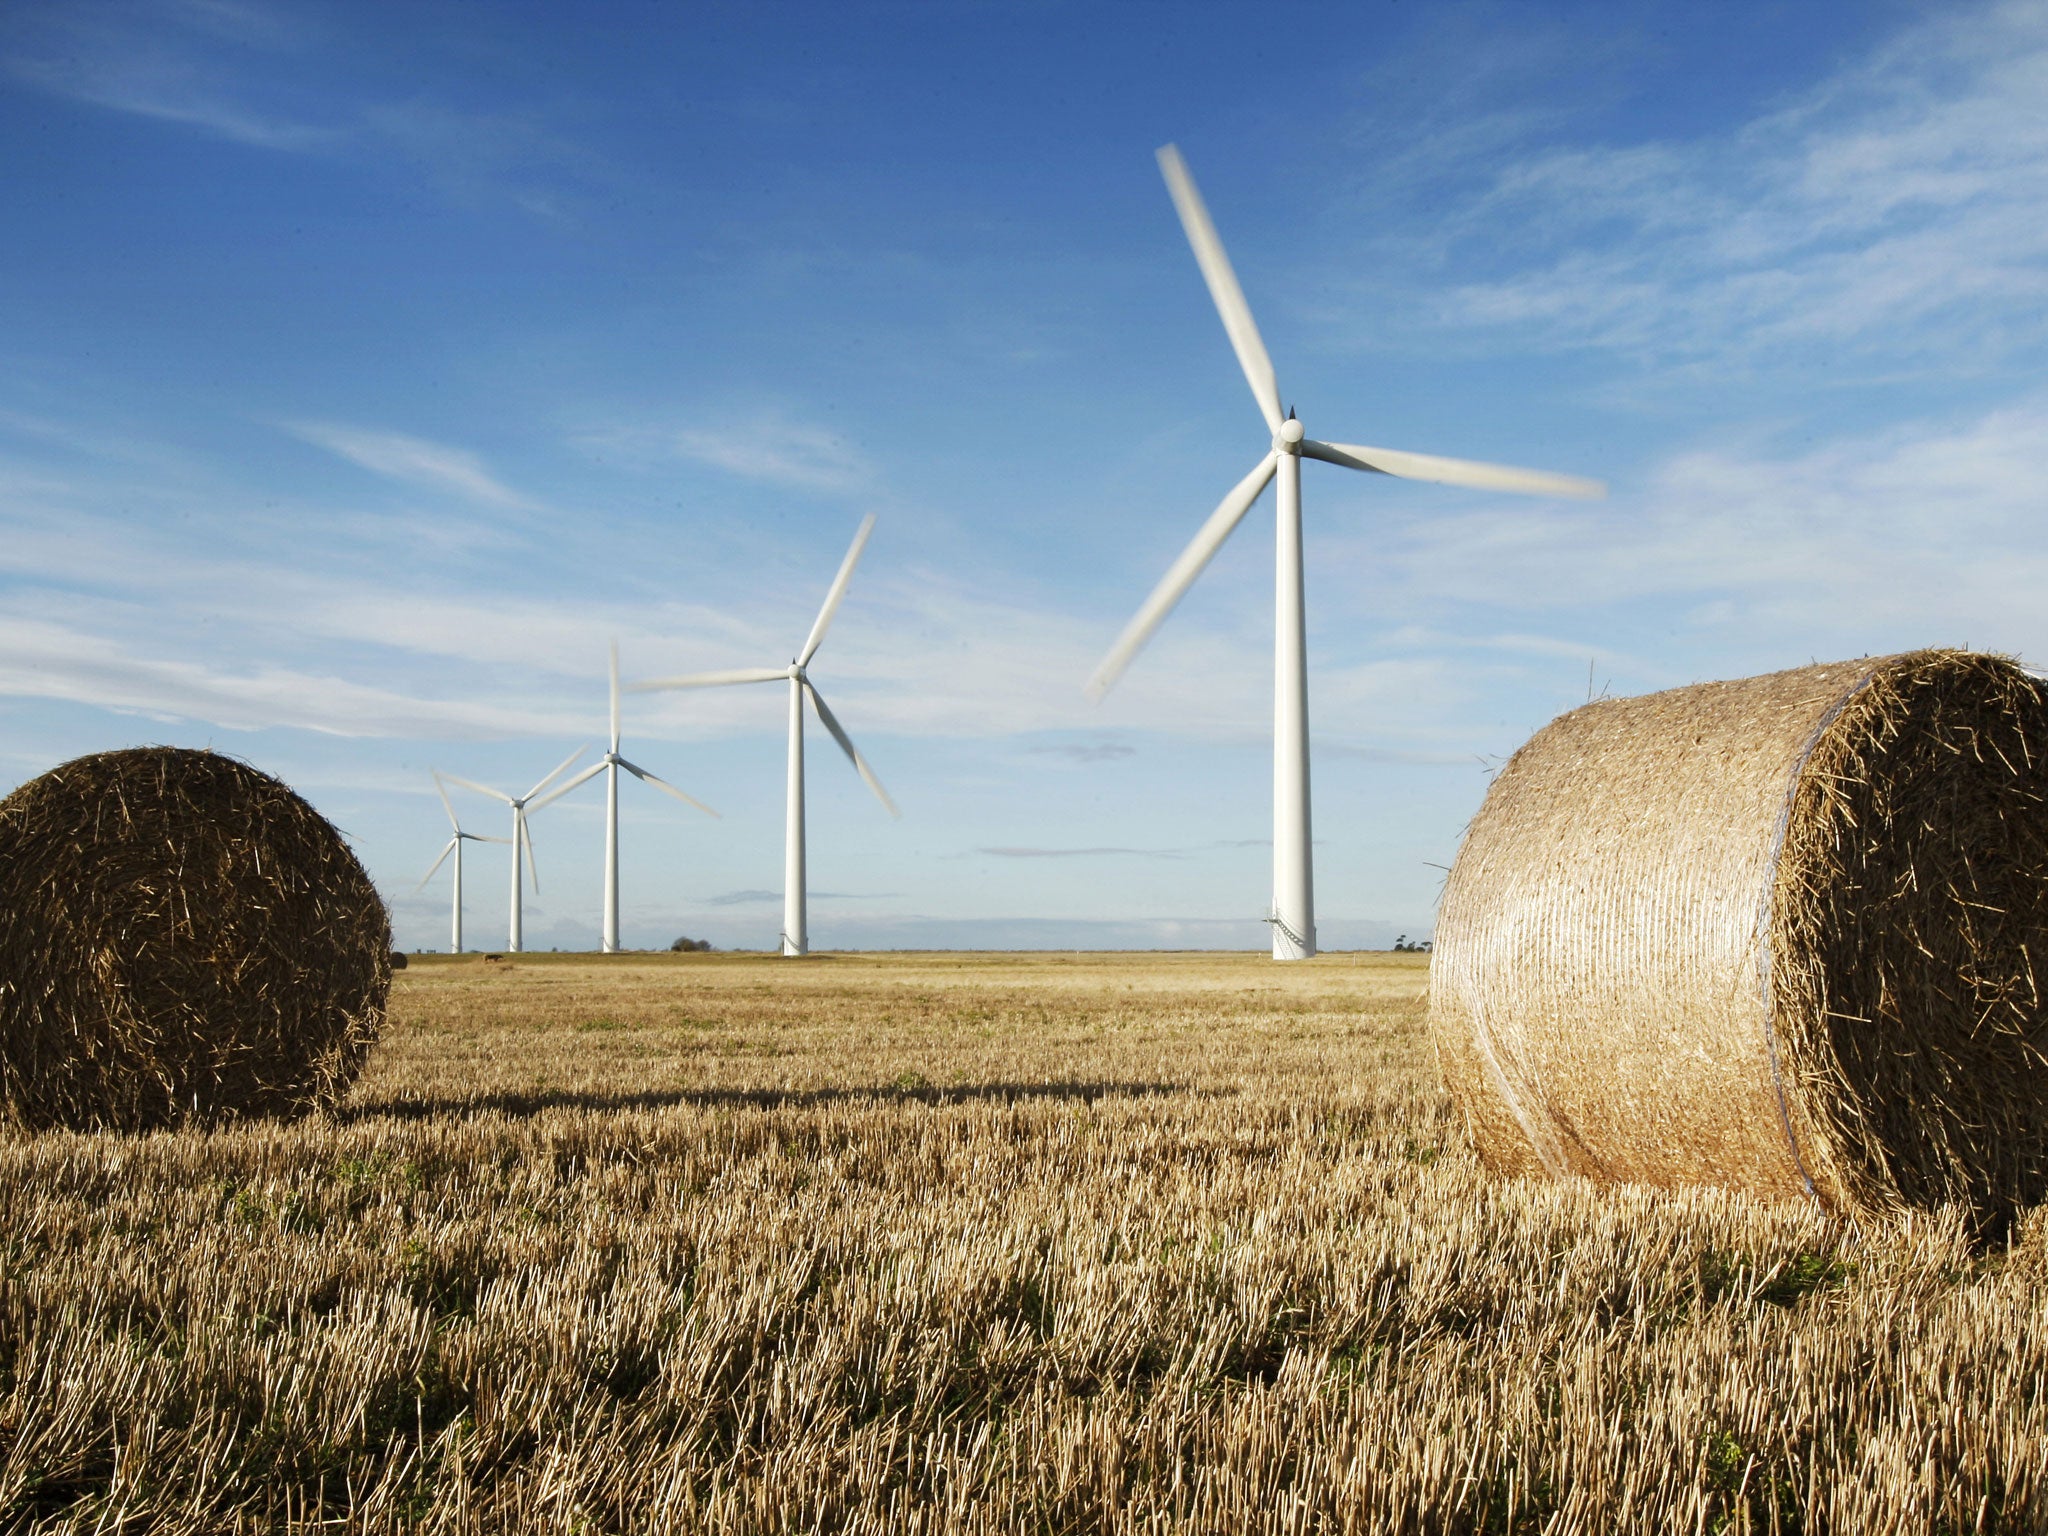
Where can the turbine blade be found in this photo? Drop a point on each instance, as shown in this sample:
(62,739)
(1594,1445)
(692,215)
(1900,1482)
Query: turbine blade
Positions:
(713,679)
(559,768)
(562,789)
(446,804)
(482,789)
(663,784)
(846,745)
(1181,575)
(615,695)
(478,837)
(816,637)
(1230,304)
(526,841)
(1427,466)
(434,868)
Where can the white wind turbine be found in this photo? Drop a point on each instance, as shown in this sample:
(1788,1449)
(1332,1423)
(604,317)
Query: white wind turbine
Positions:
(795,933)
(521,839)
(1293,911)
(454,846)
(610,765)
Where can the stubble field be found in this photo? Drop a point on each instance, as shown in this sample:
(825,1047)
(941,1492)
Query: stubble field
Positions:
(1043,1243)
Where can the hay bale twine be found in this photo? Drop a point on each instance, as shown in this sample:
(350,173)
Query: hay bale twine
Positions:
(1787,934)
(181,938)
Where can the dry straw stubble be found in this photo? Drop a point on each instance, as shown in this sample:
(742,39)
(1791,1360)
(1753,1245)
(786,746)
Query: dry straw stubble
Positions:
(181,937)
(1776,934)
(950,1244)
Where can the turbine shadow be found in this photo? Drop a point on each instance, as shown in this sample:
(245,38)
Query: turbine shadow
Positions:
(517,1105)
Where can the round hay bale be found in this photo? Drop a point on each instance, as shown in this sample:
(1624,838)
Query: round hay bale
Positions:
(181,938)
(1776,935)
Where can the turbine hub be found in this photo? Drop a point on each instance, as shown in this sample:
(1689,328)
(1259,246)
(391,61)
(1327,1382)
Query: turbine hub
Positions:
(1288,438)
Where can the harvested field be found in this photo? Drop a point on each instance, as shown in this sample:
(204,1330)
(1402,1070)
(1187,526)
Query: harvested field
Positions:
(1045,1243)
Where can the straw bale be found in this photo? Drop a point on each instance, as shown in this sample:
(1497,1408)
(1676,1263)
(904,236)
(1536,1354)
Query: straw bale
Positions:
(1775,934)
(181,938)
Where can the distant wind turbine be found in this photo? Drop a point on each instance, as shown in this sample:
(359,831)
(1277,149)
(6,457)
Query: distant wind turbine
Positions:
(454,846)
(795,932)
(1292,915)
(610,765)
(521,839)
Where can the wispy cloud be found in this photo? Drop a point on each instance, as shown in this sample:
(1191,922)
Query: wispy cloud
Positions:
(1899,209)
(779,450)
(411,461)
(756,897)
(1924,531)
(474,155)
(1920,532)
(81,442)
(771,443)
(174,63)
(45,660)
(914,653)
(244,21)
(274,78)
(166,92)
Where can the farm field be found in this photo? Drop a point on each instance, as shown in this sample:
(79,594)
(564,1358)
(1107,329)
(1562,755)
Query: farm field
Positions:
(949,1242)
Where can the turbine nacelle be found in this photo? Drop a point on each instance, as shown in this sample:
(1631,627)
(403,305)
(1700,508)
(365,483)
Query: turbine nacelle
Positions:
(1288,438)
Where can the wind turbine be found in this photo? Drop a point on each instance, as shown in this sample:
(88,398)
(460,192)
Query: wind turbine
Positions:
(1293,912)
(795,934)
(521,839)
(454,846)
(610,765)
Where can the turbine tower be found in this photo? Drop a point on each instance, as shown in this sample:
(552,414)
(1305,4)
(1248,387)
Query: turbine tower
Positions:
(795,931)
(610,765)
(1293,911)
(521,839)
(454,846)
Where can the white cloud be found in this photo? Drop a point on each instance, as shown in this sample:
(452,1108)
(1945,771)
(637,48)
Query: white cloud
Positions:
(1923,533)
(50,661)
(265,76)
(147,61)
(1910,535)
(1899,210)
(915,652)
(772,447)
(166,92)
(411,460)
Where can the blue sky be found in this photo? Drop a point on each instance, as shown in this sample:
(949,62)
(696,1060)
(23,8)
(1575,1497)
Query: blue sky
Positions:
(365,369)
